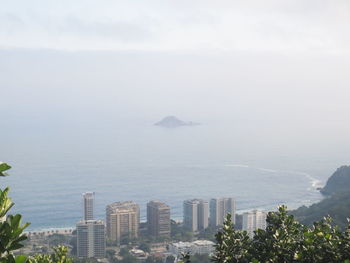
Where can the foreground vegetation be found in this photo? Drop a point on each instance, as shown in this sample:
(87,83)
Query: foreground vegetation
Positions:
(284,240)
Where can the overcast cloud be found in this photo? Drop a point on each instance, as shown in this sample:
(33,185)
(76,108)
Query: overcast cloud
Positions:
(279,64)
(158,25)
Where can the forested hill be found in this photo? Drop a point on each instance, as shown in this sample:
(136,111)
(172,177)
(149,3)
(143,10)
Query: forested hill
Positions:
(338,182)
(336,204)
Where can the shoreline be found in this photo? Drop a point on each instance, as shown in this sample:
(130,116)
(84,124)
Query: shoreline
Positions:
(68,230)
(51,231)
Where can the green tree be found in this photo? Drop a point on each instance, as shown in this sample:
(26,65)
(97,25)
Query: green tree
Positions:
(11,228)
(200,258)
(128,258)
(145,247)
(60,255)
(110,253)
(58,239)
(284,240)
(179,233)
(123,252)
(153,259)
(170,259)
(232,246)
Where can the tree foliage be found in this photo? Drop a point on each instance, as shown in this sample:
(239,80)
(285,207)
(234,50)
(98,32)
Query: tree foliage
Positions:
(60,255)
(170,259)
(11,228)
(284,240)
(337,206)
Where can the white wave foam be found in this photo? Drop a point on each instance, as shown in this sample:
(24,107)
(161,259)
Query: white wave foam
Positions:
(315,183)
(237,165)
(267,170)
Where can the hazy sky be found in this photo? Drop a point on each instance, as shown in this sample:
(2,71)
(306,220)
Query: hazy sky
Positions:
(272,60)
(162,25)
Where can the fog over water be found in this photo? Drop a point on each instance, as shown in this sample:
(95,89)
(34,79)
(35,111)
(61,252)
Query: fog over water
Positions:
(81,90)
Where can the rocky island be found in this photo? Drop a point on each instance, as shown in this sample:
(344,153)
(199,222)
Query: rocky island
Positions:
(173,122)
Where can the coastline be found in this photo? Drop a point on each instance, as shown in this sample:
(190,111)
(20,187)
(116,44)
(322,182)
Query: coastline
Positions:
(51,231)
(70,229)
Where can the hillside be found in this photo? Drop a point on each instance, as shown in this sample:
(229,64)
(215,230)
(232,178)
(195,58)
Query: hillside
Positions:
(337,206)
(338,182)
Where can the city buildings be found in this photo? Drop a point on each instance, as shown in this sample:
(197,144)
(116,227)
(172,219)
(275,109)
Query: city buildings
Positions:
(91,239)
(196,214)
(219,208)
(88,205)
(158,219)
(122,221)
(91,242)
(197,247)
(254,220)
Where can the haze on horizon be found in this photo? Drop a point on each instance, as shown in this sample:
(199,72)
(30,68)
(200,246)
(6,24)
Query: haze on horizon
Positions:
(278,65)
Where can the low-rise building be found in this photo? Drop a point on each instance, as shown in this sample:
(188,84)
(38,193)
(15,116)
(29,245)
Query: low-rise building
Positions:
(203,247)
(200,247)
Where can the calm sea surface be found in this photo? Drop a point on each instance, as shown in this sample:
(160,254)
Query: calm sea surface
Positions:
(52,167)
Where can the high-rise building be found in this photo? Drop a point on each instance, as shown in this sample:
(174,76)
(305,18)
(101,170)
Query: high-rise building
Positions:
(91,239)
(219,208)
(196,214)
(122,221)
(254,220)
(88,199)
(158,219)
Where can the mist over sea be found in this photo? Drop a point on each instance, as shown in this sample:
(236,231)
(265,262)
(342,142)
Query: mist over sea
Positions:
(137,161)
(81,90)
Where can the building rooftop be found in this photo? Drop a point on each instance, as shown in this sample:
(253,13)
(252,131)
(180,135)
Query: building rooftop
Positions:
(124,204)
(203,242)
(159,204)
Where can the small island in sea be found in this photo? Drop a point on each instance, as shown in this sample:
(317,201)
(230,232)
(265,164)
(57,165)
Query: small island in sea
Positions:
(173,122)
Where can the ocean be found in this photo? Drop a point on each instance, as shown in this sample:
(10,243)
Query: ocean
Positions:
(54,165)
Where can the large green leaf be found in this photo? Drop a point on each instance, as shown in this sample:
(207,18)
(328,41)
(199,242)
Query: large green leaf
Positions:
(4,167)
(21,259)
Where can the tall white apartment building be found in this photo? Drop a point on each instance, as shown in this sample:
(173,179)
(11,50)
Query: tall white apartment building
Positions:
(196,214)
(122,220)
(88,205)
(219,208)
(91,239)
(254,220)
